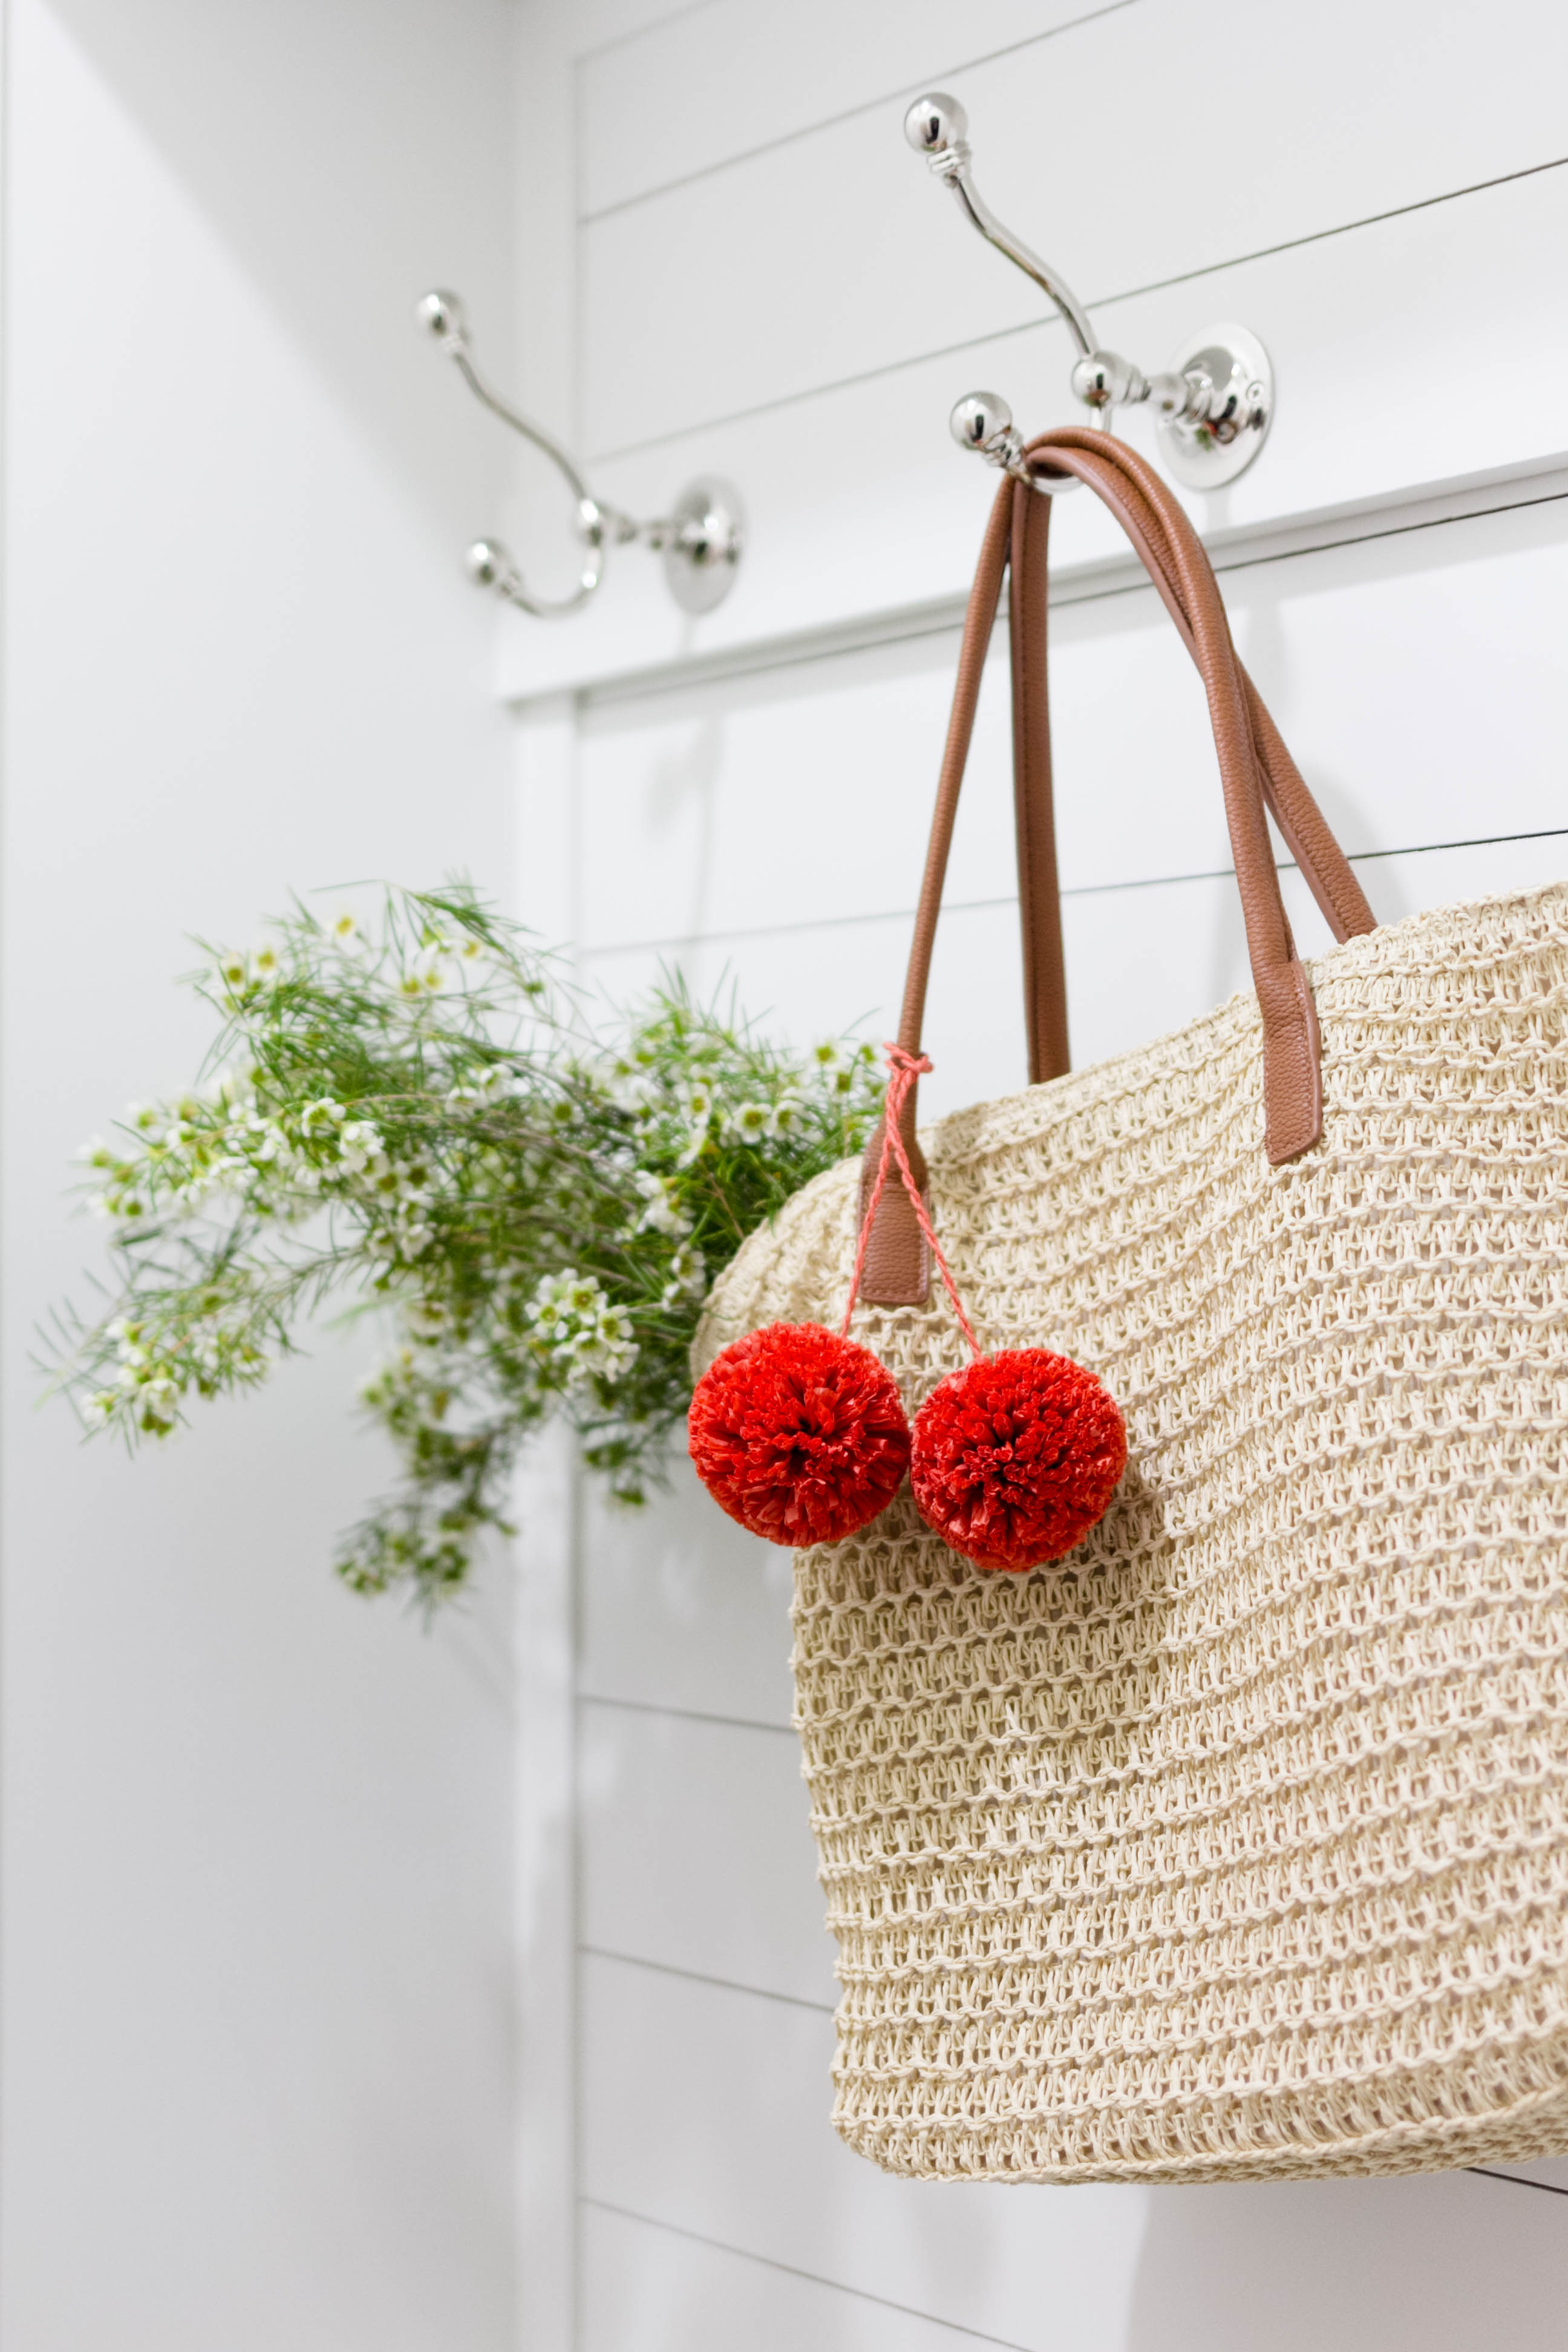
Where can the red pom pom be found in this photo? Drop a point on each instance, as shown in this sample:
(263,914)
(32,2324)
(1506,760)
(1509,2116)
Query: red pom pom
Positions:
(1016,1456)
(799,1434)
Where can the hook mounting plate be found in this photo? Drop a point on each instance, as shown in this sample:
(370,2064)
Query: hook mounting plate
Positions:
(704,544)
(1207,455)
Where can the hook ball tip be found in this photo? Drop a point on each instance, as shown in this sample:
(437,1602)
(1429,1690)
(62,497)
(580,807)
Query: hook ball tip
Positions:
(442,315)
(487,562)
(978,419)
(934,123)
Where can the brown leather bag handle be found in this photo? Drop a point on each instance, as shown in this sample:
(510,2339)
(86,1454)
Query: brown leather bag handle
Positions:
(1256,770)
(1324,864)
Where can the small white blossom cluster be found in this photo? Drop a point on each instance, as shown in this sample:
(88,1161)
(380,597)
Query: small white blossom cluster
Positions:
(159,1360)
(584,1334)
(697,1102)
(402,1190)
(838,1070)
(439,961)
(182,1151)
(691,1112)
(396,1378)
(489,1083)
(147,1386)
(239,974)
(688,1277)
(706,1119)
(442,963)
(686,1274)
(662,1213)
(279,1164)
(754,1122)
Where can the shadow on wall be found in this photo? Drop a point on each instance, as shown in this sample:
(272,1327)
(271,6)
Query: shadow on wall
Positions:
(1449,2262)
(302,133)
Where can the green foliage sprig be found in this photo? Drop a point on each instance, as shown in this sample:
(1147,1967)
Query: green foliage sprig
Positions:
(419,1114)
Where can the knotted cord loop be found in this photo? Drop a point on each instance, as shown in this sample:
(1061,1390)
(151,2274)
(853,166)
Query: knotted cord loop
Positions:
(904,1068)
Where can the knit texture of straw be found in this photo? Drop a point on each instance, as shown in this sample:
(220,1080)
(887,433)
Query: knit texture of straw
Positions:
(1236,1845)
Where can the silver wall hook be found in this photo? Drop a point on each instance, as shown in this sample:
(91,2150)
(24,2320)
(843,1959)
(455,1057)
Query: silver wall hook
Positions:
(983,421)
(1213,403)
(700,540)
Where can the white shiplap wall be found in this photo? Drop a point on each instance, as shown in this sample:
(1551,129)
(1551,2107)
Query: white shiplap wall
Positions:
(759,280)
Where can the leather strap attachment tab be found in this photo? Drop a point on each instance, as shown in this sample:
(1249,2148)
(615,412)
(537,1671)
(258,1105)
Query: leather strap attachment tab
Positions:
(1292,1064)
(897,1272)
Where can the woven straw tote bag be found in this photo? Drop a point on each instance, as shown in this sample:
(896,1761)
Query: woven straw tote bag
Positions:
(1234,1846)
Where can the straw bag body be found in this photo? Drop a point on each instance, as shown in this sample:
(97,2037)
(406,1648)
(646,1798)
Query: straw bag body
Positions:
(1236,1844)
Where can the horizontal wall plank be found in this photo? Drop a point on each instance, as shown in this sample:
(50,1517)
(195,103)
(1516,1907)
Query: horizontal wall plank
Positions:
(696,1852)
(862,513)
(709,2110)
(822,979)
(783,71)
(682,1608)
(587,29)
(836,256)
(802,795)
(789,795)
(1140,961)
(648,2288)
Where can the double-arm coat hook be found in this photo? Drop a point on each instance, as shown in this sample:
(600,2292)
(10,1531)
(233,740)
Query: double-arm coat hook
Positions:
(700,541)
(1213,403)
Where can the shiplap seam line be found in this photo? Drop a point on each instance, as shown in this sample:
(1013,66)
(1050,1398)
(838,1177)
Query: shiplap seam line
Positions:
(1005,904)
(889,98)
(695,1976)
(1050,319)
(1536,489)
(941,616)
(582,57)
(686,1713)
(793,2270)
(1246,549)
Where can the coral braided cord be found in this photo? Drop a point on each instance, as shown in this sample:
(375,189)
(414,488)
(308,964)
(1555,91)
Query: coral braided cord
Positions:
(905,1068)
